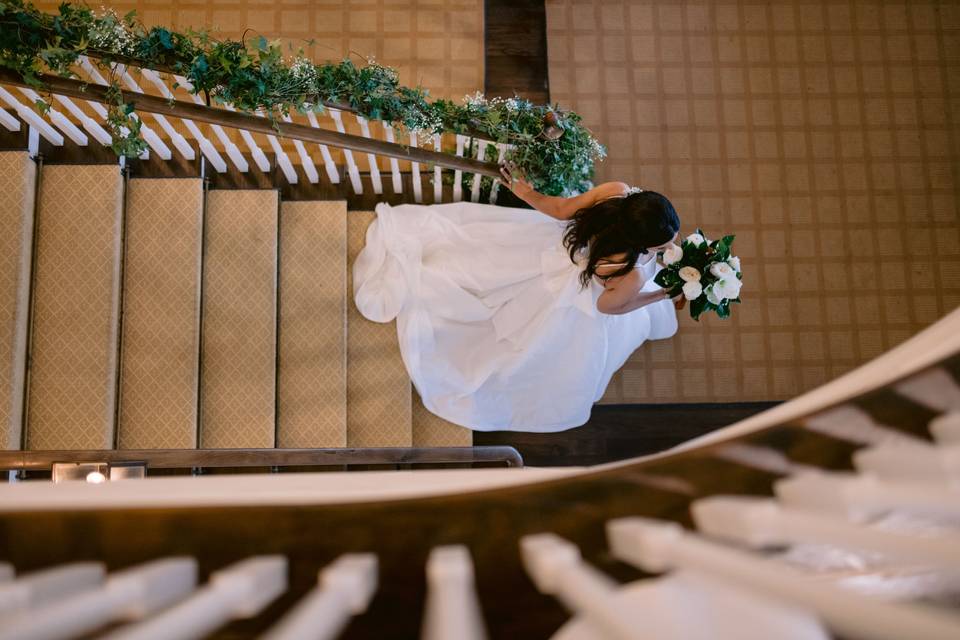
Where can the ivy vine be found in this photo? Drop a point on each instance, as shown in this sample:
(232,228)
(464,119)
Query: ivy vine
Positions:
(254,75)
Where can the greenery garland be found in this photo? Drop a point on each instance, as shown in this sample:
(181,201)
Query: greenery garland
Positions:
(558,160)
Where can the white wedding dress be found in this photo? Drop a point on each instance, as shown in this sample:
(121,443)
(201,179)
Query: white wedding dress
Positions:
(494,328)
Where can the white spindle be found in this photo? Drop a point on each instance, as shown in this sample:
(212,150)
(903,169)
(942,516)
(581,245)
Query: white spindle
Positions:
(332,172)
(233,152)
(130,595)
(41,587)
(8,121)
(939,465)
(415,171)
(437,176)
(946,428)
(452,609)
(92,126)
(345,590)
(394,163)
(352,169)
(501,150)
(175,137)
(149,136)
(477,178)
(860,498)
(241,590)
(457,173)
(760,523)
(556,568)
(32,118)
(208,150)
(371,158)
(73,132)
(283,160)
(659,546)
(305,160)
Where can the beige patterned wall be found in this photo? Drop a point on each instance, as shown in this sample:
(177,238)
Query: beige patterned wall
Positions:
(824,134)
(436,43)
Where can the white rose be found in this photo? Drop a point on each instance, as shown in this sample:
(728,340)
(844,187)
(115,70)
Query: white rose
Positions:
(721,270)
(729,288)
(734,262)
(672,254)
(692,290)
(696,239)
(689,274)
(712,296)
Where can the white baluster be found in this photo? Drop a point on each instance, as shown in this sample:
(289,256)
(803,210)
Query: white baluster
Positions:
(305,160)
(8,121)
(437,176)
(133,594)
(149,136)
(73,132)
(40,587)
(556,568)
(452,609)
(760,523)
(92,126)
(861,498)
(457,173)
(207,149)
(946,428)
(283,160)
(233,152)
(241,590)
(394,163)
(175,137)
(502,149)
(32,118)
(415,171)
(352,169)
(477,178)
(658,546)
(345,590)
(371,159)
(911,463)
(332,172)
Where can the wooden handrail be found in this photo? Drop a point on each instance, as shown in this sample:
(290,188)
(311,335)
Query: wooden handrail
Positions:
(201,113)
(189,458)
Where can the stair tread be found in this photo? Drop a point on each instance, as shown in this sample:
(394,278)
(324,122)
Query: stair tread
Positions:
(161,314)
(312,385)
(17,193)
(238,377)
(379,407)
(75,312)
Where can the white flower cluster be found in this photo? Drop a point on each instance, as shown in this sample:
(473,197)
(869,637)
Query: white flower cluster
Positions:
(475,100)
(108,33)
(727,284)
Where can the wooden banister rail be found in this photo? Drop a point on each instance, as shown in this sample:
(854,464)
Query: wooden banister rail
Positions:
(189,458)
(201,113)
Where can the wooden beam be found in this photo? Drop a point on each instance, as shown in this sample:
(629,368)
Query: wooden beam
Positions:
(515,49)
(201,113)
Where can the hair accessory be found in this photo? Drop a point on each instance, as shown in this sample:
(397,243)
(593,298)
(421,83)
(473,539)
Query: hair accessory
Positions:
(633,190)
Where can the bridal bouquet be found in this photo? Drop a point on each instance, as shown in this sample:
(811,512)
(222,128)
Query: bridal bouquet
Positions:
(704,272)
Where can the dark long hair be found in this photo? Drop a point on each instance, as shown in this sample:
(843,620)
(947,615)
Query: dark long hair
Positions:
(620,225)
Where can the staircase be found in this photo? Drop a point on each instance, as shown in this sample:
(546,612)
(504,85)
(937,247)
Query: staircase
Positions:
(143,312)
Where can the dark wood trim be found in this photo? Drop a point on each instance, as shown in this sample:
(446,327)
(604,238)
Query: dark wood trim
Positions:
(621,431)
(187,458)
(237,120)
(515,49)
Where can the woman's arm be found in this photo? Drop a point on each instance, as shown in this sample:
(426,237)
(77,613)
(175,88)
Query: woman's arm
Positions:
(623,295)
(556,207)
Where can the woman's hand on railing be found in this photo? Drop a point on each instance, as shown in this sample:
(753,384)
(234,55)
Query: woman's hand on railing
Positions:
(514,181)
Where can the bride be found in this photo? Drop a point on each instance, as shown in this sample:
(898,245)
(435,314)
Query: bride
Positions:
(512,319)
